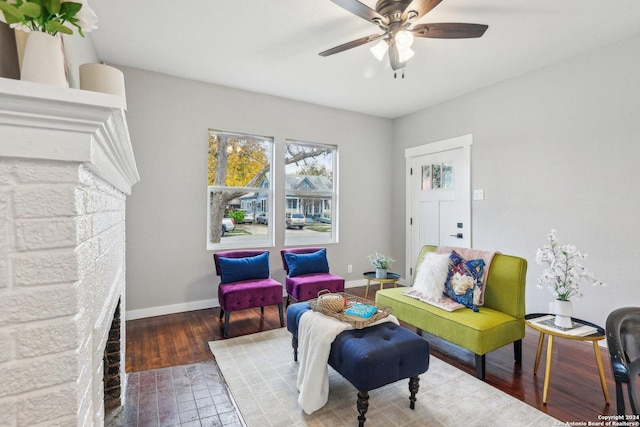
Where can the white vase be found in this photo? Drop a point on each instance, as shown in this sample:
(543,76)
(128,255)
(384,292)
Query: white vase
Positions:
(43,60)
(563,311)
(381,273)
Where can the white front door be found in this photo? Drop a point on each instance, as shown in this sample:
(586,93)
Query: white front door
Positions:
(438,196)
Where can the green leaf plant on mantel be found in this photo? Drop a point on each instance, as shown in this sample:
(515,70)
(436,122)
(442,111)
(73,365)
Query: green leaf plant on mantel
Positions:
(48,16)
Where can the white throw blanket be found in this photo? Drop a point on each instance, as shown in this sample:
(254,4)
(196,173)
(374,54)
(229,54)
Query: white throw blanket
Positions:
(316,332)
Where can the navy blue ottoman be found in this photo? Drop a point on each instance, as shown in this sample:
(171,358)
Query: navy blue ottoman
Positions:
(372,357)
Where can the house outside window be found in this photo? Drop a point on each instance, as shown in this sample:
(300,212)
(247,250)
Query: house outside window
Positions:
(311,192)
(239,177)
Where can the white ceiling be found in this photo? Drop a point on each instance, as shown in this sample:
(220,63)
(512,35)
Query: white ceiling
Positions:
(272,46)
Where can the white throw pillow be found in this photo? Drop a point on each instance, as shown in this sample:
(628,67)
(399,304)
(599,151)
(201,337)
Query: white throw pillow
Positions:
(432,274)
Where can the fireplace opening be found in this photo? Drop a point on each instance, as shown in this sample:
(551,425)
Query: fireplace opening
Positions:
(111,367)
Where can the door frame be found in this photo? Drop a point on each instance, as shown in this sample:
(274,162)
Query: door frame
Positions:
(464,142)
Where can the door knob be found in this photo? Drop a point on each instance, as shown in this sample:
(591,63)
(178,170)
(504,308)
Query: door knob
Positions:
(457,235)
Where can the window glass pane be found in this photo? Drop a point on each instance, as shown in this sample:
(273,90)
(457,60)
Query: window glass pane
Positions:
(310,193)
(437,175)
(447,175)
(239,191)
(426,177)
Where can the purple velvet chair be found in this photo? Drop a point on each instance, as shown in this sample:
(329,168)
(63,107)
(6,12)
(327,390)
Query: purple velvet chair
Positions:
(307,273)
(245,283)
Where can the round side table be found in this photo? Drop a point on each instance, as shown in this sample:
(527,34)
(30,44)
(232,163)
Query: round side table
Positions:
(371,277)
(533,320)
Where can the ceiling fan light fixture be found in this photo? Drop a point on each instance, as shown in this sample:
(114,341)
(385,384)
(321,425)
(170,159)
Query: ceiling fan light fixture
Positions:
(405,54)
(379,49)
(404,39)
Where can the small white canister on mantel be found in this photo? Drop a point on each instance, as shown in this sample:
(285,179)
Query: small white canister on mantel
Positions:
(103,78)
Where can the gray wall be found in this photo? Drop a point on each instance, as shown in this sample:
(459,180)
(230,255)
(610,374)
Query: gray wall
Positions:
(168,266)
(555,148)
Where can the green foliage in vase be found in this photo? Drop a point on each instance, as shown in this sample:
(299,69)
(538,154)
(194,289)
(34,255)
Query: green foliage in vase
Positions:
(379,261)
(48,16)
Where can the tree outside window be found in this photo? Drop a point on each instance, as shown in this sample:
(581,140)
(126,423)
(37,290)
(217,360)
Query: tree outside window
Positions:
(239,173)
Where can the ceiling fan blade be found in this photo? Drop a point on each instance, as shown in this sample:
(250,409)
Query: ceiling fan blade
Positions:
(394,57)
(351,44)
(420,7)
(361,10)
(449,30)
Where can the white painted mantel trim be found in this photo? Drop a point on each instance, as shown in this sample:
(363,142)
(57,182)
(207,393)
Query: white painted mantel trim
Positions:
(70,125)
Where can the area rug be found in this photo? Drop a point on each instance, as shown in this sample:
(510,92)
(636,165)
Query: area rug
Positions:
(261,375)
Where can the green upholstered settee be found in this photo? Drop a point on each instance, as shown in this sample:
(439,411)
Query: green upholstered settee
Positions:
(500,321)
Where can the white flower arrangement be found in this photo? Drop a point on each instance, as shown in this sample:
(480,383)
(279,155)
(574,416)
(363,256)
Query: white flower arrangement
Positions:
(48,16)
(565,272)
(379,261)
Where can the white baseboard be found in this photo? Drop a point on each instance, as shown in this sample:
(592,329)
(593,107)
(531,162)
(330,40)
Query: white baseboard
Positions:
(170,309)
(200,305)
(354,283)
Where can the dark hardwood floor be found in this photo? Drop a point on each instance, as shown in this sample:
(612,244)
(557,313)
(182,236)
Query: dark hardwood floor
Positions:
(575,393)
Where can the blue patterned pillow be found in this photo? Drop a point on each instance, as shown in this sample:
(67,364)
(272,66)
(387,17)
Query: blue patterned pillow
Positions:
(464,283)
(314,262)
(247,268)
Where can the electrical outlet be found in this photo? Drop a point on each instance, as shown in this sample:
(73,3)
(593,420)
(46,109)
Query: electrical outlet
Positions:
(349,268)
(478,194)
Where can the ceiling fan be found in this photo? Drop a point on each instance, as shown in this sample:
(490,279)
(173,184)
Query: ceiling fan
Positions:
(397,18)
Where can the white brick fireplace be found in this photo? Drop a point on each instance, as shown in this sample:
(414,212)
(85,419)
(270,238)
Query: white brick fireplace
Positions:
(66,167)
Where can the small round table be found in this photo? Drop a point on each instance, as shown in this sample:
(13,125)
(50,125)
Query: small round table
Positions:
(371,277)
(530,320)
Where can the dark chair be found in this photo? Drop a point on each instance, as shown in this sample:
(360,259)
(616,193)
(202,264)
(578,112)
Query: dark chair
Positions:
(623,340)
(307,273)
(245,283)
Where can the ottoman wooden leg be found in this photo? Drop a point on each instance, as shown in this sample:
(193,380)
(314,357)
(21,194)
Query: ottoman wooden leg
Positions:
(294,344)
(363,405)
(414,385)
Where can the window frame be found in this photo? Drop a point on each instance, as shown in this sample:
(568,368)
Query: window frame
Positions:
(331,197)
(267,201)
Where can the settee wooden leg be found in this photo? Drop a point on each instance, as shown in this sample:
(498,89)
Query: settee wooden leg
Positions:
(414,386)
(262,310)
(363,405)
(221,313)
(480,366)
(280,311)
(294,344)
(517,351)
(227,315)
(288,300)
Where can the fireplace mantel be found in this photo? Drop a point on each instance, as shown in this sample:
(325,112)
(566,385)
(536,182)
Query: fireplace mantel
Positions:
(69,125)
(66,167)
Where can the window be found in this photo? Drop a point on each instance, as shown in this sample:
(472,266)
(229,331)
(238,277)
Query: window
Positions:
(310,193)
(239,190)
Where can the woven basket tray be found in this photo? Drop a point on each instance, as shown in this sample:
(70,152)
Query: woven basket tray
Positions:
(356,322)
